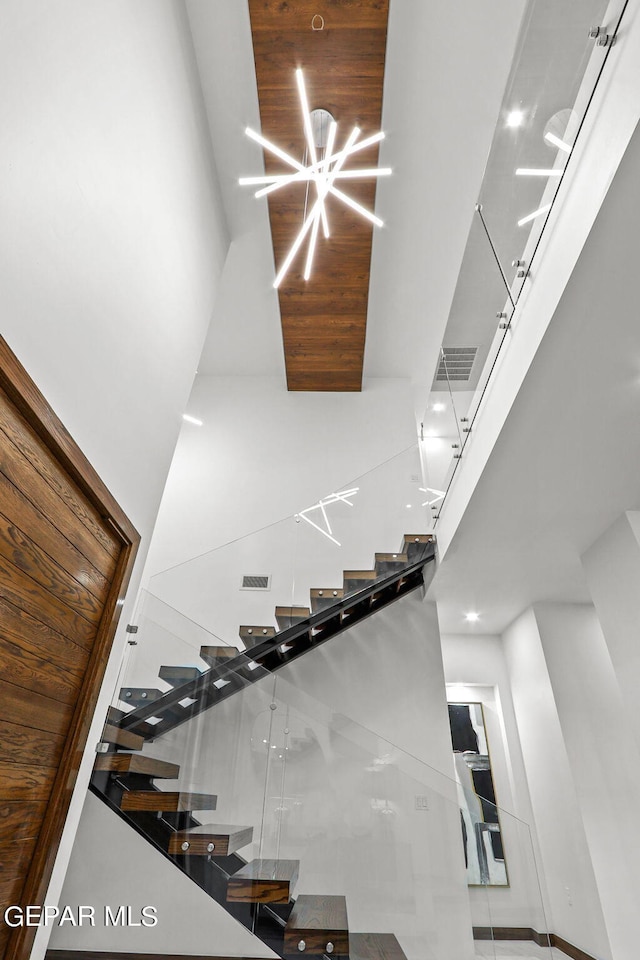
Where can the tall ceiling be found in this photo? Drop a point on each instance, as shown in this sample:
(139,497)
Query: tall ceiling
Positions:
(340,49)
(445,72)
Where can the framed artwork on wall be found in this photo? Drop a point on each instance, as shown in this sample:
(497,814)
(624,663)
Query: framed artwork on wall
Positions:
(482,837)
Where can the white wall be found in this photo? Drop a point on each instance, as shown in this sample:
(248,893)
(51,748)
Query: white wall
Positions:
(612,569)
(574,910)
(264,454)
(476,672)
(133,873)
(111,240)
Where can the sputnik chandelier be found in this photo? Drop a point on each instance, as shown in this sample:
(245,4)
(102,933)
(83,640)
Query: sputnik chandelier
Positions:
(322,173)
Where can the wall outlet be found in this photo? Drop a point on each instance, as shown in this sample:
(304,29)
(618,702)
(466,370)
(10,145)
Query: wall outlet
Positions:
(422,803)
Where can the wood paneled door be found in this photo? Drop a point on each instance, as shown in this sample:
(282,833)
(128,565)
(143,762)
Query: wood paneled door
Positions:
(66,553)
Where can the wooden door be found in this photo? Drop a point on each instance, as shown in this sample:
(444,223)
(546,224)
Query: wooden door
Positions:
(66,552)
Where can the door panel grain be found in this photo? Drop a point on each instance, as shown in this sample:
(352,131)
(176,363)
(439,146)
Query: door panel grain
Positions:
(66,553)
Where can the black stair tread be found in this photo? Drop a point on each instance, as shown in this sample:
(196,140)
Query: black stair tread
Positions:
(167,801)
(176,676)
(264,881)
(121,738)
(136,763)
(318,920)
(223,839)
(375,946)
(115,717)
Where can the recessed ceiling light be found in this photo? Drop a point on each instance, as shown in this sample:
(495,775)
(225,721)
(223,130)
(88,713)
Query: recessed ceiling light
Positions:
(439,407)
(515,118)
(472,616)
(185,416)
(408,506)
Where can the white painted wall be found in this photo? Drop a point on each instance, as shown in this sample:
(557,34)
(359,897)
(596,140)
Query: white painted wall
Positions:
(476,672)
(574,909)
(264,454)
(612,569)
(133,873)
(603,758)
(112,239)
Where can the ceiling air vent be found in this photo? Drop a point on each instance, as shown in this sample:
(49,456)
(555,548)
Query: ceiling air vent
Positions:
(256,581)
(456,363)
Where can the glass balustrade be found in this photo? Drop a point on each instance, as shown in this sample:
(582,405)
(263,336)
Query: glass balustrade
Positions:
(560,55)
(284,807)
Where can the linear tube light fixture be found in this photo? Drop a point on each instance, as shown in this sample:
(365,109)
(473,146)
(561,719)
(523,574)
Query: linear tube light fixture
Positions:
(322,173)
(538,172)
(190,419)
(557,142)
(536,213)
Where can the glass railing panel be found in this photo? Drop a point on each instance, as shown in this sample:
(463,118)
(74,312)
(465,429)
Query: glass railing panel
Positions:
(552,78)
(299,780)
(262,585)
(560,55)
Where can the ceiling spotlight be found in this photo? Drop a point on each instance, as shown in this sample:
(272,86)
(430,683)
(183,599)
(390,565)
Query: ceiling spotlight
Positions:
(515,118)
(185,416)
(472,617)
(439,407)
(322,173)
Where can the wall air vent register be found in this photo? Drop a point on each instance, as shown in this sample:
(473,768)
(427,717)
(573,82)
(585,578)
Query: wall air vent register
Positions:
(456,363)
(256,581)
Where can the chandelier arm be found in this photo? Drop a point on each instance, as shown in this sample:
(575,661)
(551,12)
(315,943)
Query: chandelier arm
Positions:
(357,207)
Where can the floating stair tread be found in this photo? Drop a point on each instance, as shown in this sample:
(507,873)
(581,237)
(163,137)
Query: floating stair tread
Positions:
(139,694)
(375,946)
(327,593)
(256,632)
(176,676)
(264,881)
(167,801)
(360,575)
(115,717)
(121,738)
(136,763)
(301,612)
(225,838)
(215,655)
(391,558)
(318,920)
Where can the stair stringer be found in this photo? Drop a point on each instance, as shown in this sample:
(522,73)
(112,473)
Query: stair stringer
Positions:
(111,864)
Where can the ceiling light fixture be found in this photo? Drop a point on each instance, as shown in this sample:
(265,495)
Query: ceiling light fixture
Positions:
(439,495)
(472,617)
(536,213)
(557,142)
(439,407)
(343,496)
(189,419)
(541,172)
(321,172)
(515,118)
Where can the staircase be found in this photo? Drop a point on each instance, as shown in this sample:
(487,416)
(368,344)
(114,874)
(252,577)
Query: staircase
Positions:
(259,893)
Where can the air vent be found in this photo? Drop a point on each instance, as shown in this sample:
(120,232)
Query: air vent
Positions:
(456,363)
(256,581)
